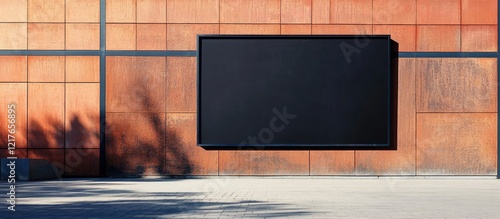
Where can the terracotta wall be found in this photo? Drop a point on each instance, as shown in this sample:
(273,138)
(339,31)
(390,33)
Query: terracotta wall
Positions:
(447,115)
(56,97)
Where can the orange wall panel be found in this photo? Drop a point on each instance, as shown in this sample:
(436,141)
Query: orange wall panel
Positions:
(82,68)
(351,12)
(14,93)
(183,36)
(301,29)
(46,10)
(320,10)
(121,36)
(438,38)
(263,162)
(342,29)
(135,84)
(46,36)
(184,157)
(151,11)
(14,11)
(456,143)
(402,160)
(479,38)
(82,36)
(394,11)
(81,162)
(82,115)
(46,68)
(82,11)
(296,11)
(121,11)
(13,36)
(250,29)
(457,85)
(249,11)
(194,11)
(438,12)
(13,68)
(46,115)
(479,11)
(332,162)
(135,143)
(181,84)
(151,36)
(404,35)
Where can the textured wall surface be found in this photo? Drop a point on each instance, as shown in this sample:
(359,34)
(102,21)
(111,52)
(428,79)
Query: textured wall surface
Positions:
(447,114)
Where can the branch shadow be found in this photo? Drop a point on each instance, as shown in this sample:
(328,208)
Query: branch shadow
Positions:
(138,141)
(132,144)
(107,198)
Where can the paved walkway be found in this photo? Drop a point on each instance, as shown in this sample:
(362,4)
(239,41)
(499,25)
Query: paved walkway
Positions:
(257,198)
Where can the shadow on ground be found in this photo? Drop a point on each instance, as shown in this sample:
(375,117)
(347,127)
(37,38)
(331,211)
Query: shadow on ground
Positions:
(98,198)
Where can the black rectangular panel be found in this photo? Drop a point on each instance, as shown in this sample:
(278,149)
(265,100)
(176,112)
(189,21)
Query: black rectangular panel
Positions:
(294,90)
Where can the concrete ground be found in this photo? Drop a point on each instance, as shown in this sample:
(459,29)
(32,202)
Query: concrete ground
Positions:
(253,197)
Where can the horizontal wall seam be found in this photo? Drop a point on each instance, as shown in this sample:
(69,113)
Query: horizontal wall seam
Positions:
(184,53)
(448,55)
(50,52)
(455,112)
(192,53)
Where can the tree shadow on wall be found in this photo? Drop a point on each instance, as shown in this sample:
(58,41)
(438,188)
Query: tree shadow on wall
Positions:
(136,145)
(73,150)
(139,143)
(119,198)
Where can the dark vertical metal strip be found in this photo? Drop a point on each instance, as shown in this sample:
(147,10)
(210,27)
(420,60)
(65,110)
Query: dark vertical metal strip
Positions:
(102,89)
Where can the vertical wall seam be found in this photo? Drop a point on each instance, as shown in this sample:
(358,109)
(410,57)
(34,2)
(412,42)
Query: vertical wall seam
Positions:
(373,15)
(27,84)
(27,24)
(102,88)
(220,7)
(416,29)
(165,138)
(461,25)
(65,30)
(415,43)
(64,96)
(280,14)
(165,92)
(329,12)
(498,82)
(415,112)
(355,164)
(309,162)
(311,21)
(27,109)
(136,25)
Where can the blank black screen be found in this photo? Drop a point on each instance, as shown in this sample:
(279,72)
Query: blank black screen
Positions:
(335,90)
